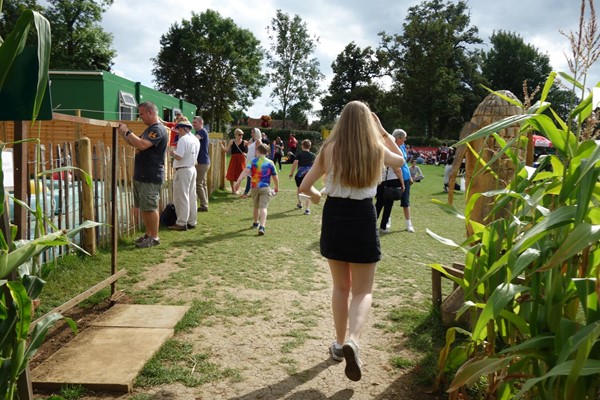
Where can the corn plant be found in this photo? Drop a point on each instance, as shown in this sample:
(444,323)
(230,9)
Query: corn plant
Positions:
(17,284)
(531,278)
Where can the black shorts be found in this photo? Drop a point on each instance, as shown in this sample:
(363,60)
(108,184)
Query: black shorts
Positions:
(349,231)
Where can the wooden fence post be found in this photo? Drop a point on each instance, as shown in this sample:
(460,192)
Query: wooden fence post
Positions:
(87,195)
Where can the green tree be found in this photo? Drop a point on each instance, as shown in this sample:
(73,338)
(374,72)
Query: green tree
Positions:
(12,10)
(79,42)
(511,63)
(435,75)
(294,74)
(354,70)
(213,62)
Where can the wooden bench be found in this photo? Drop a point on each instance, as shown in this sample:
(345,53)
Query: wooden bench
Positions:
(457,270)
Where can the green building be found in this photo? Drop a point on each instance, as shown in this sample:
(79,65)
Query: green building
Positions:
(106,96)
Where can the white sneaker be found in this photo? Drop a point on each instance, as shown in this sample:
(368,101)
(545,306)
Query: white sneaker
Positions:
(388,226)
(384,230)
(410,229)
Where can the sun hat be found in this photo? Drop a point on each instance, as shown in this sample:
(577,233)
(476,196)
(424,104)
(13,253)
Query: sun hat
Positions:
(185,124)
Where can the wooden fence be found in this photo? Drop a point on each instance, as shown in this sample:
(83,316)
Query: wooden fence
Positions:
(59,194)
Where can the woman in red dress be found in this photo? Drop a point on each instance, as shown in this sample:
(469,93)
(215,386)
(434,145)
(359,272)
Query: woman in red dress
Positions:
(238,148)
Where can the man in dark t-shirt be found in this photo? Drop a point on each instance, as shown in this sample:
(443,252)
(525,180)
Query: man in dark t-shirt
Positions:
(303,162)
(148,171)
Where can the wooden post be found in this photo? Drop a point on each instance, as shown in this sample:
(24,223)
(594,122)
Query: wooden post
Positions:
(21,177)
(87,195)
(114,234)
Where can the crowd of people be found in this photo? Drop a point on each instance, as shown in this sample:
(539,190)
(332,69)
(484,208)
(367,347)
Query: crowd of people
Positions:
(358,161)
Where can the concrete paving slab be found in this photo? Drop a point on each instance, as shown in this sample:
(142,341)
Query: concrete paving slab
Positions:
(109,358)
(141,316)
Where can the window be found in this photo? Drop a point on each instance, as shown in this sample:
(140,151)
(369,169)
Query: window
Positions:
(127,106)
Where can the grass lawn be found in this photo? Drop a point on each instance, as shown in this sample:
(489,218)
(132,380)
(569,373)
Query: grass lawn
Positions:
(223,252)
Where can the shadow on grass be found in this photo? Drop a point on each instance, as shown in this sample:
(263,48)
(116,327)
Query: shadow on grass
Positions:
(424,334)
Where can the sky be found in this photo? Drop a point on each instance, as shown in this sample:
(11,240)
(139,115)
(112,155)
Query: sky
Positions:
(137,27)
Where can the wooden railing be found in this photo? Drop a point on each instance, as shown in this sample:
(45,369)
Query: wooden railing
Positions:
(60,194)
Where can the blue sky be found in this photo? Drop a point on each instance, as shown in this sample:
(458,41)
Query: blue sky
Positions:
(138,25)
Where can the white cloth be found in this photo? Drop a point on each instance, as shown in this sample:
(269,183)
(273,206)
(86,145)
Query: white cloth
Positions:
(335,189)
(388,174)
(251,154)
(447,171)
(184,183)
(184,196)
(188,147)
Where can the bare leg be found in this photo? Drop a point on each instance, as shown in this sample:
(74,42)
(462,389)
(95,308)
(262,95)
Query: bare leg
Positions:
(342,282)
(307,204)
(406,213)
(255,215)
(360,305)
(151,220)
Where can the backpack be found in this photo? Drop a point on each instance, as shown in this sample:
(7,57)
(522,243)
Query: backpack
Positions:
(168,216)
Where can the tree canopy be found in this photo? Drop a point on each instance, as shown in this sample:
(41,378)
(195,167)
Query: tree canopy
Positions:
(211,62)
(432,68)
(294,73)
(510,62)
(354,70)
(78,40)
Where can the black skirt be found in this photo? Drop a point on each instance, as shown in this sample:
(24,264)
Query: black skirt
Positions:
(349,231)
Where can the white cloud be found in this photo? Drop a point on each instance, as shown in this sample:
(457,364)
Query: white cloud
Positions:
(137,27)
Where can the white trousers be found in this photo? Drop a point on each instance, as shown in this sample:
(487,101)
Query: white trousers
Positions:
(184,196)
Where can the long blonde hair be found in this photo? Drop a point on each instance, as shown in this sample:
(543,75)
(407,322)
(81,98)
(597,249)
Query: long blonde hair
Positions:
(356,147)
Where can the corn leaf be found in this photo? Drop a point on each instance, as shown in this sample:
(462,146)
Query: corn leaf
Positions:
(470,371)
(590,367)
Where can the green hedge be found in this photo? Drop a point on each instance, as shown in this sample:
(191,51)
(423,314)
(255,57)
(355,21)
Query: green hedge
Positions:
(423,141)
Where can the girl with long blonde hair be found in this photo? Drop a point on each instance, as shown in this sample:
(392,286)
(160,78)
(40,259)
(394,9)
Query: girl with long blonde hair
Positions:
(351,159)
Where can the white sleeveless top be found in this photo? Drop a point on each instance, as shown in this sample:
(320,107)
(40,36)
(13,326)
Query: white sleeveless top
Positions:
(335,189)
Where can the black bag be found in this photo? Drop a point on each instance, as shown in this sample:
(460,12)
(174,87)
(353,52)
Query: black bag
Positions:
(391,193)
(168,216)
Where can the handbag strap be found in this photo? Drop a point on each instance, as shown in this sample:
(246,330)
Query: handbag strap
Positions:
(387,169)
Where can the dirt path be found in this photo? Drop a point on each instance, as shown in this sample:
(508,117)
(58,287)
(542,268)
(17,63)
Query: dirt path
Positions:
(271,320)
(252,344)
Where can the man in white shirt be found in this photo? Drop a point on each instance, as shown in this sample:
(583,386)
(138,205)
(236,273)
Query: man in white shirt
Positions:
(184,184)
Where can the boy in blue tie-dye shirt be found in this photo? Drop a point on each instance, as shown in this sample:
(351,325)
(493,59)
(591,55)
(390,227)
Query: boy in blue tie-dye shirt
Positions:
(261,170)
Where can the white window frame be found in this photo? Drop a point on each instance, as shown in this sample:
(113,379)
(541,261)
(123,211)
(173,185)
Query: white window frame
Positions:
(127,106)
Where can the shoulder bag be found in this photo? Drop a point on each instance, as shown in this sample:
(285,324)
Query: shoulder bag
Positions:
(391,193)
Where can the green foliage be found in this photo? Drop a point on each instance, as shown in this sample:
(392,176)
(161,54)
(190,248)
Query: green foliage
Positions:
(436,82)
(17,345)
(219,67)
(354,70)
(80,43)
(294,74)
(12,10)
(531,272)
(511,63)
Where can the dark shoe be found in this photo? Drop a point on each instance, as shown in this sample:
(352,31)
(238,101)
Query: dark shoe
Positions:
(148,242)
(261,230)
(202,209)
(353,364)
(255,225)
(141,239)
(178,227)
(336,352)
(190,226)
